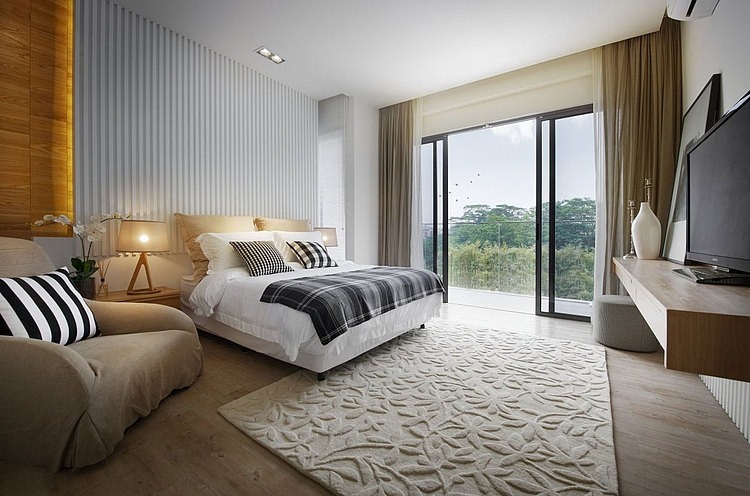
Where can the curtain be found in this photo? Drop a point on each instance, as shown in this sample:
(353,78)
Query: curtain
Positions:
(417,236)
(396,181)
(637,115)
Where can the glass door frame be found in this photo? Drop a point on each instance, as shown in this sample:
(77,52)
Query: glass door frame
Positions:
(442,164)
(550,117)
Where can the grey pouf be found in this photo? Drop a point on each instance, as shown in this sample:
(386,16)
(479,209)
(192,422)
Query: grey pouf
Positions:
(618,324)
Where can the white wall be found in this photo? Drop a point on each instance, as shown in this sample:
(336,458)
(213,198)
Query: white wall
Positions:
(719,44)
(332,164)
(554,85)
(362,183)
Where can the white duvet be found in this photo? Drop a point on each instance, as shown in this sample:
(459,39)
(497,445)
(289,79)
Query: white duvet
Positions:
(232,297)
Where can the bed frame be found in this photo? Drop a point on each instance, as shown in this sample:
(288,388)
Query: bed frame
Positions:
(321,363)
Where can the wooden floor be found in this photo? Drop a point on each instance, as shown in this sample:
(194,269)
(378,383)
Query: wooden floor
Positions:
(671,436)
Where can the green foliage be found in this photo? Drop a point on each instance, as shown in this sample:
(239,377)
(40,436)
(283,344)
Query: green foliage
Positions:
(492,268)
(83,268)
(575,221)
(511,270)
(574,273)
(498,225)
(492,248)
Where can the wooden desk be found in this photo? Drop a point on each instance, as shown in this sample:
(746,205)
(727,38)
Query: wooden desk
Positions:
(167,296)
(702,328)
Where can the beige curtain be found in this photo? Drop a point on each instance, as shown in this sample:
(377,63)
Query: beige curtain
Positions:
(637,110)
(396,159)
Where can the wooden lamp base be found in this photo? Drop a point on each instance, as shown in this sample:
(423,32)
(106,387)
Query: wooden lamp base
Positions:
(142,262)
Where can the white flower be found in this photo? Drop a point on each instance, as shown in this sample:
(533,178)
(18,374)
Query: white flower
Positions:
(92,232)
(62,219)
(95,232)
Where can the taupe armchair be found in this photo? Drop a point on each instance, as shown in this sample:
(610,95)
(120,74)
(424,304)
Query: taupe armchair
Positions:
(69,406)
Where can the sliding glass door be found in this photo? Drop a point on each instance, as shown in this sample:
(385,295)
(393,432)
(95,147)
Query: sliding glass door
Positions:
(566,213)
(496,198)
(434,163)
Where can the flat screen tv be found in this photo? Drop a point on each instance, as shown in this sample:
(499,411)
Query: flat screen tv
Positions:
(718,191)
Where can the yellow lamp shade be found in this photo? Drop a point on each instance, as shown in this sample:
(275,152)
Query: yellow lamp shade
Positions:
(142,236)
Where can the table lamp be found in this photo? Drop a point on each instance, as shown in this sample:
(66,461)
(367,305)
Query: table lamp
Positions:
(142,236)
(329,235)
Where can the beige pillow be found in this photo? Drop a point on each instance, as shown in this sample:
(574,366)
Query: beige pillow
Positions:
(270,224)
(191,226)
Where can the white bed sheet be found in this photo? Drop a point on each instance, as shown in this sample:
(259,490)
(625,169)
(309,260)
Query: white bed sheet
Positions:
(232,297)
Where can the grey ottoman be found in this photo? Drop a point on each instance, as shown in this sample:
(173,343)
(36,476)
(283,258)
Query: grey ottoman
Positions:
(618,324)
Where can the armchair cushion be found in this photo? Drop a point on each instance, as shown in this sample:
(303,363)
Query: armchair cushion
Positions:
(69,406)
(45,307)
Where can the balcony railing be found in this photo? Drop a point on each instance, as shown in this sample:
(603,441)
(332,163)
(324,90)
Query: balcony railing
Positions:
(500,257)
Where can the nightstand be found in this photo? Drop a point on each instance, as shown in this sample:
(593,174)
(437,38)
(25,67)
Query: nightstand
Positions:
(167,296)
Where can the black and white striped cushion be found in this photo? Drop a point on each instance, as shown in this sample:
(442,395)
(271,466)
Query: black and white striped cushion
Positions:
(311,254)
(45,307)
(260,257)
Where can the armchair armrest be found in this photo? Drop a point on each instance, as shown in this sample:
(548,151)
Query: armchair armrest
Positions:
(128,318)
(44,391)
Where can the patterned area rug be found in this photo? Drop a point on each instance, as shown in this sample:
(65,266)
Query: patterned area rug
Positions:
(449,409)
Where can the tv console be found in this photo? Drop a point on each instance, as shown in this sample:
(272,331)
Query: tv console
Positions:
(703,329)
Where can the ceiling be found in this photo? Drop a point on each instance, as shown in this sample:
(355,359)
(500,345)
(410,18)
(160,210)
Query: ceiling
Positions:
(388,51)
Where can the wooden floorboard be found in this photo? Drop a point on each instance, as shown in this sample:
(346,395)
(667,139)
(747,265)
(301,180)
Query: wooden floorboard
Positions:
(671,436)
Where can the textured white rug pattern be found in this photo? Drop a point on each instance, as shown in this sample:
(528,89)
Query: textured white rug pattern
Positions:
(450,409)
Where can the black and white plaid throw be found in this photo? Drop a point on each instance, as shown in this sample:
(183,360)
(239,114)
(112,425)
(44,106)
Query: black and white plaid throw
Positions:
(336,302)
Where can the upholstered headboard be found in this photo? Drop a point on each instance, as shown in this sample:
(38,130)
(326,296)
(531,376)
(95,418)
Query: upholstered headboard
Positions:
(192,226)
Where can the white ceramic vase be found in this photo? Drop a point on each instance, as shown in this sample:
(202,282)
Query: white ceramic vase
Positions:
(646,231)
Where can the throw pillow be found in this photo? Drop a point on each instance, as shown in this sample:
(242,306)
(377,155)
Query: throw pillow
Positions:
(281,238)
(311,254)
(220,253)
(260,257)
(45,307)
(191,226)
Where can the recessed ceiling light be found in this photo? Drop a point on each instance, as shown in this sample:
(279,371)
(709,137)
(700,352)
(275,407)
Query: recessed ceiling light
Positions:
(265,52)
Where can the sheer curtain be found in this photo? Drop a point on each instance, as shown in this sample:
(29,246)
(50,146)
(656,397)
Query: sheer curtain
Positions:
(637,115)
(396,179)
(417,237)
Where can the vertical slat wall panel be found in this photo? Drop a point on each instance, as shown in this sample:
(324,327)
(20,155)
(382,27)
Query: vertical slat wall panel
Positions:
(332,159)
(734,397)
(166,125)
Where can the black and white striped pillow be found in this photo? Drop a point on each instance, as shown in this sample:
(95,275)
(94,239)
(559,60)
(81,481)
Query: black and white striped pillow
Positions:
(45,307)
(260,257)
(311,254)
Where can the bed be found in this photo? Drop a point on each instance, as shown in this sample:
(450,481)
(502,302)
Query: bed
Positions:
(226,301)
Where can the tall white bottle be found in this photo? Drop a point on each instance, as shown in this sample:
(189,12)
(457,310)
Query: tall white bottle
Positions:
(646,230)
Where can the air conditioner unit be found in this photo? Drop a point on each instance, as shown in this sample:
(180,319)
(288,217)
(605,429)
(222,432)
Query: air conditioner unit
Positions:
(687,10)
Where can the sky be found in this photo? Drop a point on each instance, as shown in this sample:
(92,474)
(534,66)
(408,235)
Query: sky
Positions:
(497,165)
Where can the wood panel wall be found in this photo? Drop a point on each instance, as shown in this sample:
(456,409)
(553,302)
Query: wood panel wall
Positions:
(36,114)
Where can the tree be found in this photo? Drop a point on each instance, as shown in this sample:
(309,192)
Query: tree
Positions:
(575,222)
(499,225)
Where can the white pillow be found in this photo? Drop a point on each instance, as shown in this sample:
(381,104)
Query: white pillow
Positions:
(220,253)
(281,237)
